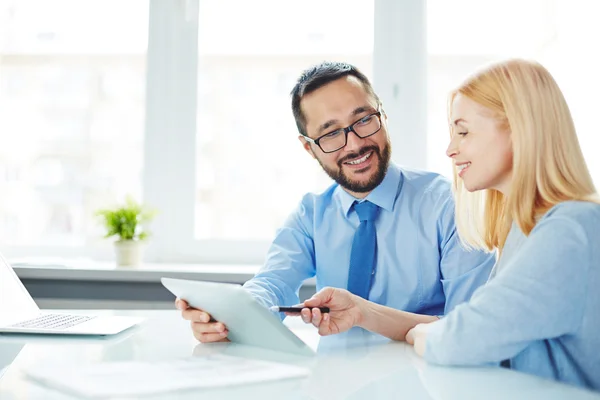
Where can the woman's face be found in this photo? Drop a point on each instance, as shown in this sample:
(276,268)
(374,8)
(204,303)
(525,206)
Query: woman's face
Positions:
(480,147)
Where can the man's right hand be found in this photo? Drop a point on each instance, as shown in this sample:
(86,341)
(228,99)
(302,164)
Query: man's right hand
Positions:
(204,329)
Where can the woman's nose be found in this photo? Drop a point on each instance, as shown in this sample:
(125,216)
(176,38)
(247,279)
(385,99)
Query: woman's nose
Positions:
(452,149)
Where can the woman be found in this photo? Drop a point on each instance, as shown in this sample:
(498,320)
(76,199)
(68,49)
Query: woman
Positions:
(522,187)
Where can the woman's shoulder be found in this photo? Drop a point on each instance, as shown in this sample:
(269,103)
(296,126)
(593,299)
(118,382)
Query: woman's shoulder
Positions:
(575,209)
(584,213)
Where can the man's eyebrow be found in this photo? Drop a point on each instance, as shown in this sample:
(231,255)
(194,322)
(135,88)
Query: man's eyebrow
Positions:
(362,109)
(356,111)
(327,125)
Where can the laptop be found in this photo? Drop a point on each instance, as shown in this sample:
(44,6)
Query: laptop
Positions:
(20,314)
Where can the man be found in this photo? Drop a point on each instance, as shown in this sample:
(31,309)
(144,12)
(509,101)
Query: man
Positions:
(383,232)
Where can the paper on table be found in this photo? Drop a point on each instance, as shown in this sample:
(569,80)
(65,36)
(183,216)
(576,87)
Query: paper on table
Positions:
(133,378)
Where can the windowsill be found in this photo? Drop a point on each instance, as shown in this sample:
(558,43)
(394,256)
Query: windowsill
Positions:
(89,270)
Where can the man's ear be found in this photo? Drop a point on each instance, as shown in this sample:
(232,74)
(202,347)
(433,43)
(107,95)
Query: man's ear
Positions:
(306,146)
(384,114)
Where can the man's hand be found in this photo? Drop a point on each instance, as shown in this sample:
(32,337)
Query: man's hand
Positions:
(205,329)
(344,311)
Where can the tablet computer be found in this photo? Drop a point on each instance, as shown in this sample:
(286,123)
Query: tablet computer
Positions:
(248,322)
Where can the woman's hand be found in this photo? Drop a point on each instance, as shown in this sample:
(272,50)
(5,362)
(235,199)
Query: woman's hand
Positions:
(344,311)
(417,337)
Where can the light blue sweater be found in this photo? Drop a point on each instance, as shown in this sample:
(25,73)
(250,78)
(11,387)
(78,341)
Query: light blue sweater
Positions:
(541,307)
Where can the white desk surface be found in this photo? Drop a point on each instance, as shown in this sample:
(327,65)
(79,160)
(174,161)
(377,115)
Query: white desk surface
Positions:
(358,365)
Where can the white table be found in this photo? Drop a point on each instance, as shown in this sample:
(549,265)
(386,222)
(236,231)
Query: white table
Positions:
(358,365)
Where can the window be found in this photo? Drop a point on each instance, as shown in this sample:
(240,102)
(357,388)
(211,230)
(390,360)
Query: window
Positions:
(251,169)
(464,34)
(71,115)
(186,104)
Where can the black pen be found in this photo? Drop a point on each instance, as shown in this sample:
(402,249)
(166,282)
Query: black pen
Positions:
(296,309)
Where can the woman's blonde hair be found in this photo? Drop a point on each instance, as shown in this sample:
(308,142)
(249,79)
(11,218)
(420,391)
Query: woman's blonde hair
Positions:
(548,165)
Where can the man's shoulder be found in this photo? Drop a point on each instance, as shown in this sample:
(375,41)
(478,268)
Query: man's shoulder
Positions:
(325,194)
(312,201)
(426,183)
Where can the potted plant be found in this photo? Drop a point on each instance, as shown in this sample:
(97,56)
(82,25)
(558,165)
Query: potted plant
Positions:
(128,224)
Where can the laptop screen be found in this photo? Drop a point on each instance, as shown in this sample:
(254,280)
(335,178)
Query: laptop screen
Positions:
(14,298)
(8,353)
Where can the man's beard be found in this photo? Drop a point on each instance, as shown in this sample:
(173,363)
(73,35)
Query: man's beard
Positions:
(356,186)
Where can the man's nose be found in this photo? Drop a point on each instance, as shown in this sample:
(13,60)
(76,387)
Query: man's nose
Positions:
(353,141)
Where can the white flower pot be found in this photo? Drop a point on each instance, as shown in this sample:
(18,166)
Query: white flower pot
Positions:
(128,252)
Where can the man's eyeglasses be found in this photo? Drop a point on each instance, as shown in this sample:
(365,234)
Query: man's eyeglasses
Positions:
(335,140)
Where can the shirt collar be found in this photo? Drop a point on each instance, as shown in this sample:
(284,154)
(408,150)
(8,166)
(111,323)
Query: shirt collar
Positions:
(383,195)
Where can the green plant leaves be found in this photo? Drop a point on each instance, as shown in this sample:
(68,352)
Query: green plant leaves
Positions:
(127,222)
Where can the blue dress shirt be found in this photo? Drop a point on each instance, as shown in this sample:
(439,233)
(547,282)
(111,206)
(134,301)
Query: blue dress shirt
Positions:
(421,266)
(541,307)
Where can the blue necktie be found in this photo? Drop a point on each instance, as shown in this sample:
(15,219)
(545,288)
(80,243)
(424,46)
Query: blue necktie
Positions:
(364,250)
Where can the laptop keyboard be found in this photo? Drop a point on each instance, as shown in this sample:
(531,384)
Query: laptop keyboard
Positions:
(53,321)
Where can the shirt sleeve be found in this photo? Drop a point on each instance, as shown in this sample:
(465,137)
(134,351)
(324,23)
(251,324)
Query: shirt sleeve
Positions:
(289,262)
(538,294)
(462,270)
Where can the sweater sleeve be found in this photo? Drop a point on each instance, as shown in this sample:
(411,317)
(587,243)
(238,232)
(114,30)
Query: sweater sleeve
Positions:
(539,294)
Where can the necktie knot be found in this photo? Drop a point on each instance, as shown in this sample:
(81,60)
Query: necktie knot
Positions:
(366,210)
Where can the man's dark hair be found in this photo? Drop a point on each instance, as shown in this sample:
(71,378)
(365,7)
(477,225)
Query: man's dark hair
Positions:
(319,76)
